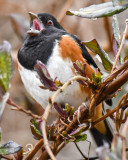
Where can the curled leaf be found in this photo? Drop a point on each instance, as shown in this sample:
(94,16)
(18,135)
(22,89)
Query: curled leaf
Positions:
(94,46)
(97,77)
(45,77)
(60,110)
(36,128)
(99,10)
(77,131)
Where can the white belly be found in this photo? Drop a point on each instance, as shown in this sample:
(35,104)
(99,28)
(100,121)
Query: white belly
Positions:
(57,68)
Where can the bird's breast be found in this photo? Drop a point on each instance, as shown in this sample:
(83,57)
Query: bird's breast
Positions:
(59,68)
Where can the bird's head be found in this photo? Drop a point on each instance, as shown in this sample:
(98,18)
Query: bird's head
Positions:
(41,22)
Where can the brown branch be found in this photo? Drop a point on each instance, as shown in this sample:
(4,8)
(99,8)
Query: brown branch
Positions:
(21,109)
(112,87)
(116,72)
(35,150)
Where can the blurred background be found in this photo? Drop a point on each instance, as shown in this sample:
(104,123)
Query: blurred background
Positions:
(14,22)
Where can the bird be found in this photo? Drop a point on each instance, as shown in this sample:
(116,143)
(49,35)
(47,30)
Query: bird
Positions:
(48,42)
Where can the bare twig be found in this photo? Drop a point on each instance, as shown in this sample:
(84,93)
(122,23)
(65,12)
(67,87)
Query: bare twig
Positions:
(121,46)
(18,108)
(79,150)
(35,150)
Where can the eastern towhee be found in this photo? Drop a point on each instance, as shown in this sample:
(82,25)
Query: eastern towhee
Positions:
(50,43)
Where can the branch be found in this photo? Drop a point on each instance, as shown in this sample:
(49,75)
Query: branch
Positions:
(113,86)
(34,151)
(18,108)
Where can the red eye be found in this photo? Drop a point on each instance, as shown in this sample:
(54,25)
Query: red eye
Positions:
(50,22)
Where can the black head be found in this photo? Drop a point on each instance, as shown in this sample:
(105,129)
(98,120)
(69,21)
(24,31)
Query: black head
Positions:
(41,38)
(41,22)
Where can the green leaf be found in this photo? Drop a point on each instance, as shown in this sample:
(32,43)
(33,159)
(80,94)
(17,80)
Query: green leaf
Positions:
(58,83)
(35,128)
(81,137)
(69,109)
(97,77)
(36,133)
(10,148)
(6,65)
(94,46)
(99,10)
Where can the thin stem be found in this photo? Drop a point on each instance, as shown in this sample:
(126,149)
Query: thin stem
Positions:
(79,150)
(121,46)
(18,108)
(34,151)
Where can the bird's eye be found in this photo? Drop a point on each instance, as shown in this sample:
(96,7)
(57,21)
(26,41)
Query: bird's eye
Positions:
(50,22)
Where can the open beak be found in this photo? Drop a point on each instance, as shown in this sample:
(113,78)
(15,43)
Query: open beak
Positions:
(36,25)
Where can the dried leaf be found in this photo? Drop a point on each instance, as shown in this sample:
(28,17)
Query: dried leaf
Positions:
(94,46)
(99,10)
